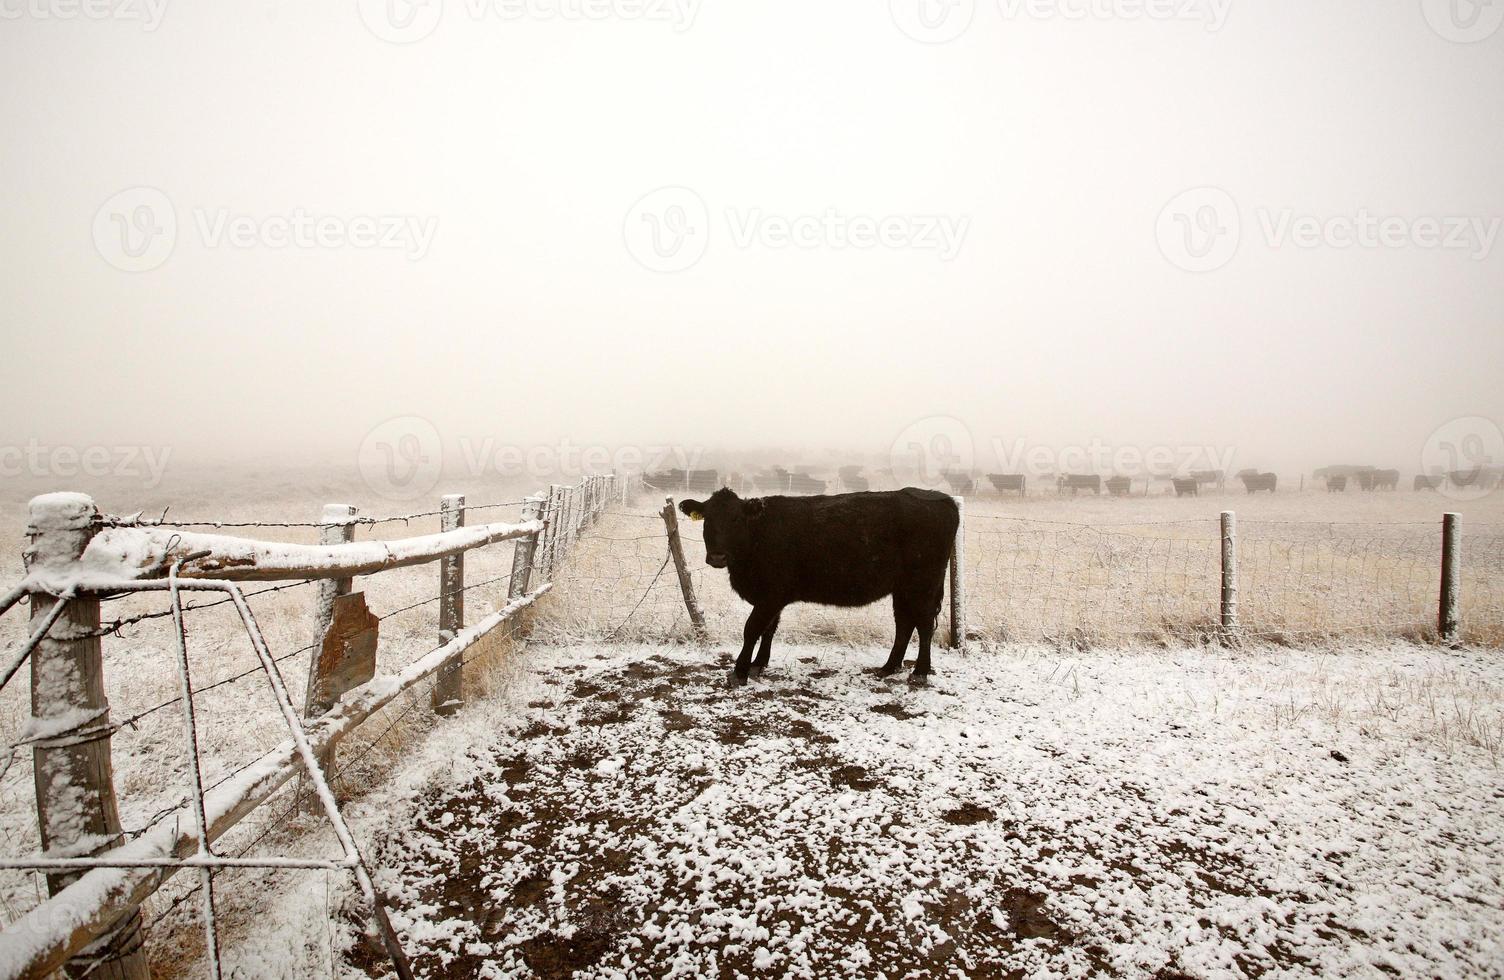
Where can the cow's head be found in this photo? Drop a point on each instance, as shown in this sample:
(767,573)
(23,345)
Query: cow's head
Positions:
(729,524)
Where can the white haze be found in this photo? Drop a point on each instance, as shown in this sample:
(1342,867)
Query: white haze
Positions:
(527,140)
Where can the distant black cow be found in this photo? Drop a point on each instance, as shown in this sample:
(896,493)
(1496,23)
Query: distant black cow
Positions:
(1208,477)
(1336,484)
(852,478)
(849,549)
(675,480)
(1255,482)
(1076,482)
(1386,479)
(1187,486)
(1007,482)
(1119,486)
(959,481)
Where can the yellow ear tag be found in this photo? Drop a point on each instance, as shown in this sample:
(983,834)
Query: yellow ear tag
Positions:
(697,517)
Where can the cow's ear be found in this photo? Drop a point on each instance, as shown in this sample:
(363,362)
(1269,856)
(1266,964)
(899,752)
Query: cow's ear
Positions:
(753,508)
(693,509)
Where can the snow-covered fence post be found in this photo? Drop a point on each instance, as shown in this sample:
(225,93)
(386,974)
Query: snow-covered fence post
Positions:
(337,529)
(555,526)
(676,551)
(626,488)
(958,579)
(525,551)
(1451,578)
(448,686)
(1229,605)
(77,815)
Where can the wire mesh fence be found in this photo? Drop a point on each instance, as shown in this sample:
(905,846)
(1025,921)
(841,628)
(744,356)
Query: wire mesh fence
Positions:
(1079,585)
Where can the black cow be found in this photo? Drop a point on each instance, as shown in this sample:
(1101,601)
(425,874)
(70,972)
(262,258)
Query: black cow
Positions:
(1187,486)
(848,549)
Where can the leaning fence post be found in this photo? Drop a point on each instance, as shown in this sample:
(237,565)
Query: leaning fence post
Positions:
(524,551)
(1229,572)
(337,529)
(1451,579)
(448,687)
(676,550)
(958,579)
(77,815)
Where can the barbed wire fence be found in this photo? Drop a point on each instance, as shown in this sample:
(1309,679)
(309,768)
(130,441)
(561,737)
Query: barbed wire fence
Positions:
(1079,585)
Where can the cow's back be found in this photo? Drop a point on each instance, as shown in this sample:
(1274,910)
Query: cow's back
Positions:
(847,549)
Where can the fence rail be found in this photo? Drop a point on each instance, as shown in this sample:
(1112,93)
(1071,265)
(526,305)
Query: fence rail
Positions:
(98,874)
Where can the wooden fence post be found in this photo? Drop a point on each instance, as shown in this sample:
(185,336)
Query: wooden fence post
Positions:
(676,550)
(1229,603)
(77,815)
(525,550)
(337,529)
(448,687)
(958,580)
(555,519)
(1447,619)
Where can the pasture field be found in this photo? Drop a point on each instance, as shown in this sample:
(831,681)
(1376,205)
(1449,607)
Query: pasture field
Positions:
(617,812)
(1058,587)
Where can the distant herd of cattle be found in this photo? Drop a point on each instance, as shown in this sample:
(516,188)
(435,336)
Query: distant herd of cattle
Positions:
(1336,479)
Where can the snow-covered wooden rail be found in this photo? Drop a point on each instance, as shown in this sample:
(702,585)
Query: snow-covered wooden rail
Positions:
(97,880)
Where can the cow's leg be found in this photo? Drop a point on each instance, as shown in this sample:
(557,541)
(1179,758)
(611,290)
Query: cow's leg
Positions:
(926,624)
(903,630)
(757,621)
(765,648)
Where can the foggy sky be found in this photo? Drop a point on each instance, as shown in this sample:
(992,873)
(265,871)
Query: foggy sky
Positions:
(523,143)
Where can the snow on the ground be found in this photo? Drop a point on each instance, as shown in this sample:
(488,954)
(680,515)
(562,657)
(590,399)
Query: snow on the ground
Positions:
(620,812)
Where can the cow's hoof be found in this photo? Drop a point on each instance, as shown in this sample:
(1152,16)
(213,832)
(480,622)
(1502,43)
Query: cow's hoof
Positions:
(734,679)
(917,679)
(756,670)
(884,672)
